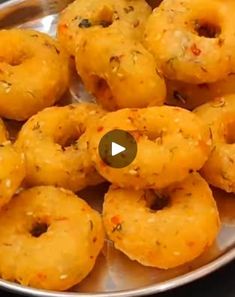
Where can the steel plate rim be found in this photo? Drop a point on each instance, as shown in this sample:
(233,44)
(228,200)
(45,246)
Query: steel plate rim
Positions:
(173,283)
(10,3)
(144,291)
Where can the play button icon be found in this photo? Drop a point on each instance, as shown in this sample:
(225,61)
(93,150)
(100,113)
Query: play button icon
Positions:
(117,148)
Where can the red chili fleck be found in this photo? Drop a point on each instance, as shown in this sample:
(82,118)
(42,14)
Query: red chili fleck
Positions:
(116,220)
(190,243)
(137,135)
(102,164)
(94,239)
(41,276)
(99,129)
(177,109)
(61,219)
(203,145)
(195,50)
(63,27)
(134,109)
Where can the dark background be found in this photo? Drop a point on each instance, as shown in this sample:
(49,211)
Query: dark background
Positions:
(218,284)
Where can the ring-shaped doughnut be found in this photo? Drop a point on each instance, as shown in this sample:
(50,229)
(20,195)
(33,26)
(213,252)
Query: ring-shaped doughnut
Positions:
(190,96)
(12,167)
(121,66)
(54,148)
(166,229)
(171,142)
(193,41)
(219,115)
(49,239)
(82,15)
(34,73)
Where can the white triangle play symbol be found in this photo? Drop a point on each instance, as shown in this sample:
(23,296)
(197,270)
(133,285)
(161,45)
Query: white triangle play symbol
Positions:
(117,149)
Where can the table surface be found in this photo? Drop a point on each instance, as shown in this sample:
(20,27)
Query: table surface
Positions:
(218,284)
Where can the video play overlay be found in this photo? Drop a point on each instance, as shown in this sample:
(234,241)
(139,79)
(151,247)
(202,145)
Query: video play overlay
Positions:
(118,148)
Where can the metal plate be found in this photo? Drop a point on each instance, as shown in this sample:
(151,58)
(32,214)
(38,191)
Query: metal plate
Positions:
(114,274)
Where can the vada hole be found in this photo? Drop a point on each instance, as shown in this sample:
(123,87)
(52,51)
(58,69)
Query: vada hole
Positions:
(38,229)
(230,132)
(154,3)
(15,62)
(18,59)
(158,201)
(69,141)
(101,87)
(105,17)
(207,29)
(155,136)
